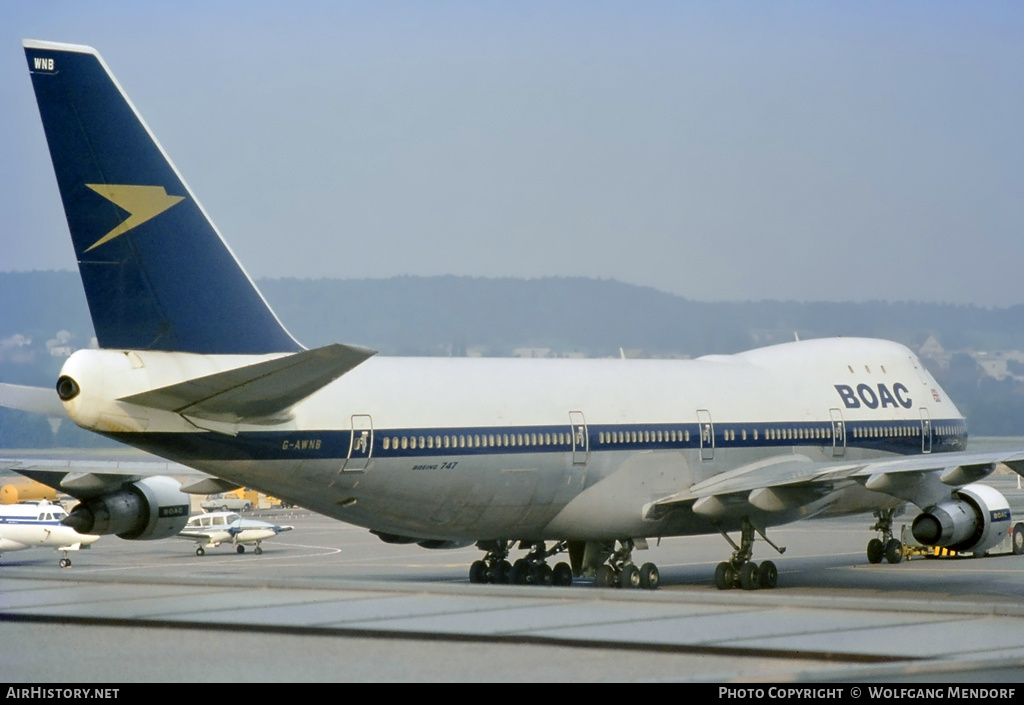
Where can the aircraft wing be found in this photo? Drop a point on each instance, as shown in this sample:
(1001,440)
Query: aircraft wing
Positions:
(202,535)
(72,547)
(83,478)
(789,481)
(225,534)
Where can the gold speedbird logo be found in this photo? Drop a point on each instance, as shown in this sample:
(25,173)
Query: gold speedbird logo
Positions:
(142,203)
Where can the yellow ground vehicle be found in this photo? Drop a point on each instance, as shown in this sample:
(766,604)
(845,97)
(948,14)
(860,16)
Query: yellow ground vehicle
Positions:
(240,500)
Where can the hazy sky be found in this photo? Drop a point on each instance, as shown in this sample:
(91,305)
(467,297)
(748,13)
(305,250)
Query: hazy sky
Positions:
(718,150)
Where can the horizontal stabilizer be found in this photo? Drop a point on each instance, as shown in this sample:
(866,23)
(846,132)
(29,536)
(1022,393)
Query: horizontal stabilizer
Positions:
(263,391)
(37,400)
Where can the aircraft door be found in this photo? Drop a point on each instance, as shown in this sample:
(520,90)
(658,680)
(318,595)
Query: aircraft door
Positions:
(580,438)
(838,433)
(707,434)
(360,447)
(926,431)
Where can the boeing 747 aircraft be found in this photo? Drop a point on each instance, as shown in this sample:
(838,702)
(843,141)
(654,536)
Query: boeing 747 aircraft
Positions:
(590,458)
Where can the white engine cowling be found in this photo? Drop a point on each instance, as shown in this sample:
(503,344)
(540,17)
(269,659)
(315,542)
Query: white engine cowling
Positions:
(976,518)
(152,508)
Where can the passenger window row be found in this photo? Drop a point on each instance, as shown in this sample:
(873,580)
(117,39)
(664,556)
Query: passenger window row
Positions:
(490,440)
(521,440)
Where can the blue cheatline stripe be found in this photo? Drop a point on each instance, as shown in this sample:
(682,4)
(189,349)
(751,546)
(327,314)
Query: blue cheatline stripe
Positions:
(891,437)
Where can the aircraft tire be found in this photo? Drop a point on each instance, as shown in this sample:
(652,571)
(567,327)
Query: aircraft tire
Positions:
(876,551)
(1018,539)
(478,572)
(541,574)
(769,575)
(650,578)
(629,577)
(894,551)
(606,576)
(240,549)
(725,576)
(519,573)
(500,572)
(750,576)
(258,551)
(562,575)
(200,551)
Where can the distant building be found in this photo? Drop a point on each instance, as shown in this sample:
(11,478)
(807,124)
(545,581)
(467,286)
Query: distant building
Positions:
(933,351)
(531,352)
(1001,364)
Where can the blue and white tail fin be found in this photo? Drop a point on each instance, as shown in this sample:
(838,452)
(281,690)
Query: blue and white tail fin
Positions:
(157,274)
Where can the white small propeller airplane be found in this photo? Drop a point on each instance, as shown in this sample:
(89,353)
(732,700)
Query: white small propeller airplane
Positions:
(214,528)
(38,525)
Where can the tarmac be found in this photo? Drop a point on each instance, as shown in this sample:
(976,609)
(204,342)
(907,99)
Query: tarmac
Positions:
(329,602)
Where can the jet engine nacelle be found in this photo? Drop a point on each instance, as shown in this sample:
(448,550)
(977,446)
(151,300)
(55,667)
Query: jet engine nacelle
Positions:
(152,508)
(976,518)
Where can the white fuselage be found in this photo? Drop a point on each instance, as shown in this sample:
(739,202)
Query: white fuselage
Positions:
(469,449)
(37,525)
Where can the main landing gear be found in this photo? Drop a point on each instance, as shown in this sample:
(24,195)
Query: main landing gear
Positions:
(614,568)
(494,568)
(240,548)
(530,570)
(742,572)
(887,547)
(620,571)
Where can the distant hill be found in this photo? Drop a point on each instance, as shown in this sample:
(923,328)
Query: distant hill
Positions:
(446,315)
(430,315)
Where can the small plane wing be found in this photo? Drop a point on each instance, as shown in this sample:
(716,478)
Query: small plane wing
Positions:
(73,547)
(788,481)
(264,390)
(198,535)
